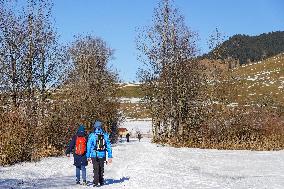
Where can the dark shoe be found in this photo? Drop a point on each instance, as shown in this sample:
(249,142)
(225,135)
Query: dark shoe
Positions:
(84,183)
(95,184)
(101,181)
(77,182)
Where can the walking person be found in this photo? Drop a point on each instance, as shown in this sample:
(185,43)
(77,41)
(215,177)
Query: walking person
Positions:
(97,146)
(139,136)
(127,137)
(78,144)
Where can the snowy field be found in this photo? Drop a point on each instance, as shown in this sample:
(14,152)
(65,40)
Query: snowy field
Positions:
(143,165)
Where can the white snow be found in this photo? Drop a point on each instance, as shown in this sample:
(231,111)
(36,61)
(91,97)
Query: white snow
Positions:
(233,104)
(131,100)
(144,165)
(252,78)
(129,84)
(132,84)
(252,94)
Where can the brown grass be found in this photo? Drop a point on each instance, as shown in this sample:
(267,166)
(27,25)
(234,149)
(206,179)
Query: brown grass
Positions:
(20,141)
(248,129)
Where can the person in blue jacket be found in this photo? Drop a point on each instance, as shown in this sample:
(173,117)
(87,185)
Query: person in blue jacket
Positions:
(97,147)
(80,158)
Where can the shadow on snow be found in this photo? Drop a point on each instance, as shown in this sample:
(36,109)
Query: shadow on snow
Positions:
(113,181)
(59,182)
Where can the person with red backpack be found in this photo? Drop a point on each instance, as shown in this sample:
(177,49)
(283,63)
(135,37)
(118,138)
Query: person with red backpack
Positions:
(78,145)
(97,147)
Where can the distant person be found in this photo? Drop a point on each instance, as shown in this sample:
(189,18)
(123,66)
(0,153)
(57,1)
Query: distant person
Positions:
(98,145)
(139,136)
(127,137)
(78,144)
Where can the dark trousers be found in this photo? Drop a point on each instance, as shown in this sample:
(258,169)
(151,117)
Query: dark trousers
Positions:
(98,170)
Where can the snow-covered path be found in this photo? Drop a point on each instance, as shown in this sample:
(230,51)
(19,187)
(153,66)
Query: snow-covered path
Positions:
(146,165)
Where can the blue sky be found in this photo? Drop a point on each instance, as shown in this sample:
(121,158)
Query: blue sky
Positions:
(116,21)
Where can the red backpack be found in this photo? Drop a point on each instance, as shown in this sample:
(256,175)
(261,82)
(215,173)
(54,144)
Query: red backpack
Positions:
(80,145)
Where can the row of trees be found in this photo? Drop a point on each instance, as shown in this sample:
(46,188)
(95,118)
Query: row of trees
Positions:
(46,89)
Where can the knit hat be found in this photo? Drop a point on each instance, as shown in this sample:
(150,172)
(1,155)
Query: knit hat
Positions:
(97,125)
(81,129)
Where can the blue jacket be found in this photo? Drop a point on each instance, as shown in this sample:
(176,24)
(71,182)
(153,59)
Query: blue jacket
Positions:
(91,153)
(79,160)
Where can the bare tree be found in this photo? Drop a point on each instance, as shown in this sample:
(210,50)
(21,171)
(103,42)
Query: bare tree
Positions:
(30,54)
(31,62)
(11,52)
(92,84)
(170,74)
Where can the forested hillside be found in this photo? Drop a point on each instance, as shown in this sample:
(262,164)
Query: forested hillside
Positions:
(248,49)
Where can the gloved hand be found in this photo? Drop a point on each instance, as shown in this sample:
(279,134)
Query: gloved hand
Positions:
(109,161)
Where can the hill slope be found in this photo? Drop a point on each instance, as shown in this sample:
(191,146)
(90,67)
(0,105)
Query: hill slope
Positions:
(258,83)
(253,48)
(132,105)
